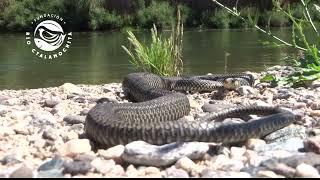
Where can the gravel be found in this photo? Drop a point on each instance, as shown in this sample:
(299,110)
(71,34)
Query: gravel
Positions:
(42,135)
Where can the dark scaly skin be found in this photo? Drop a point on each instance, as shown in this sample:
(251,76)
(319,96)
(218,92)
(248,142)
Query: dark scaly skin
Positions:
(155,117)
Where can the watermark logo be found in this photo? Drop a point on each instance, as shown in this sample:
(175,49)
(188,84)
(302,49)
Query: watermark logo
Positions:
(48,40)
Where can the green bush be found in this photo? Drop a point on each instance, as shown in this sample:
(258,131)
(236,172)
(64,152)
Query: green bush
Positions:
(274,19)
(159,13)
(297,10)
(185,13)
(247,12)
(17,15)
(217,19)
(100,19)
(314,14)
(278,19)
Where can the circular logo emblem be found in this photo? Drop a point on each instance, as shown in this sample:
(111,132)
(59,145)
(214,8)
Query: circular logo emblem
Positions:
(49,39)
(48,35)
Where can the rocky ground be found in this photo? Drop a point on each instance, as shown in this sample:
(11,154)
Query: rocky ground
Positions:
(42,135)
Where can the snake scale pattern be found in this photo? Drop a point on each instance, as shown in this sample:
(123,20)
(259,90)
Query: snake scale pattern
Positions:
(156,116)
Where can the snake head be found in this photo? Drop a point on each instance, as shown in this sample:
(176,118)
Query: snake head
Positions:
(231,83)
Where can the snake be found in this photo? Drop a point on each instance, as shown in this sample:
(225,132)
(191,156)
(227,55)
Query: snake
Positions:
(158,104)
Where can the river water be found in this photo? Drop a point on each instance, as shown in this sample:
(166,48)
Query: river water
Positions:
(97,57)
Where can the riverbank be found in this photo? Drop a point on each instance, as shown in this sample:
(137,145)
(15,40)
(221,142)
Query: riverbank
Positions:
(41,135)
(108,15)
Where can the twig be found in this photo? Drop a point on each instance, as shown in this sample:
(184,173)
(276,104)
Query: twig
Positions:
(309,17)
(257,27)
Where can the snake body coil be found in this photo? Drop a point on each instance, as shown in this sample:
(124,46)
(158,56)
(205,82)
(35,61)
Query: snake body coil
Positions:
(156,116)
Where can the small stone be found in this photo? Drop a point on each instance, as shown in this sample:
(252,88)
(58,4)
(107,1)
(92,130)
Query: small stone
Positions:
(278,153)
(152,172)
(285,134)
(188,118)
(105,100)
(315,106)
(84,157)
(209,173)
(312,144)
(274,68)
(19,129)
(291,145)
(3,112)
(236,152)
(315,113)
(39,143)
(283,169)
(293,160)
(253,158)
(232,165)
(22,172)
(112,153)
(84,112)
(76,127)
(116,171)
(54,111)
(50,103)
(260,103)
(313,132)
(267,174)
(305,170)
(49,134)
(9,160)
(102,166)
(80,100)
(219,160)
(19,115)
(139,152)
(214,107)
(74,119)
(75,146)
(4,97)
(284,94)
(56,163)
(299,105)
(185,164)
(13,101)
(131,171)
(246,90)
(77,167)
(173,172)
(255,144)
(50,174)
(43,118)
(194,104)
(71,96)
(315,84)
(70,135)
(107,89)
(69,88)
(6,131)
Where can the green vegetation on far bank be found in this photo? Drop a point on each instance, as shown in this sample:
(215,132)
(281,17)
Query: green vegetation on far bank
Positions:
(90,15)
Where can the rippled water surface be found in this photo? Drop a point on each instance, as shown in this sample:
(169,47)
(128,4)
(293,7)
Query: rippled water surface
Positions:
(97,57)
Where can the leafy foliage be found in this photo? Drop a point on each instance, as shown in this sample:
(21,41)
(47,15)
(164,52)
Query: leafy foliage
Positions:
(15,15)
(307,67)
(216,19)
(159,13)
